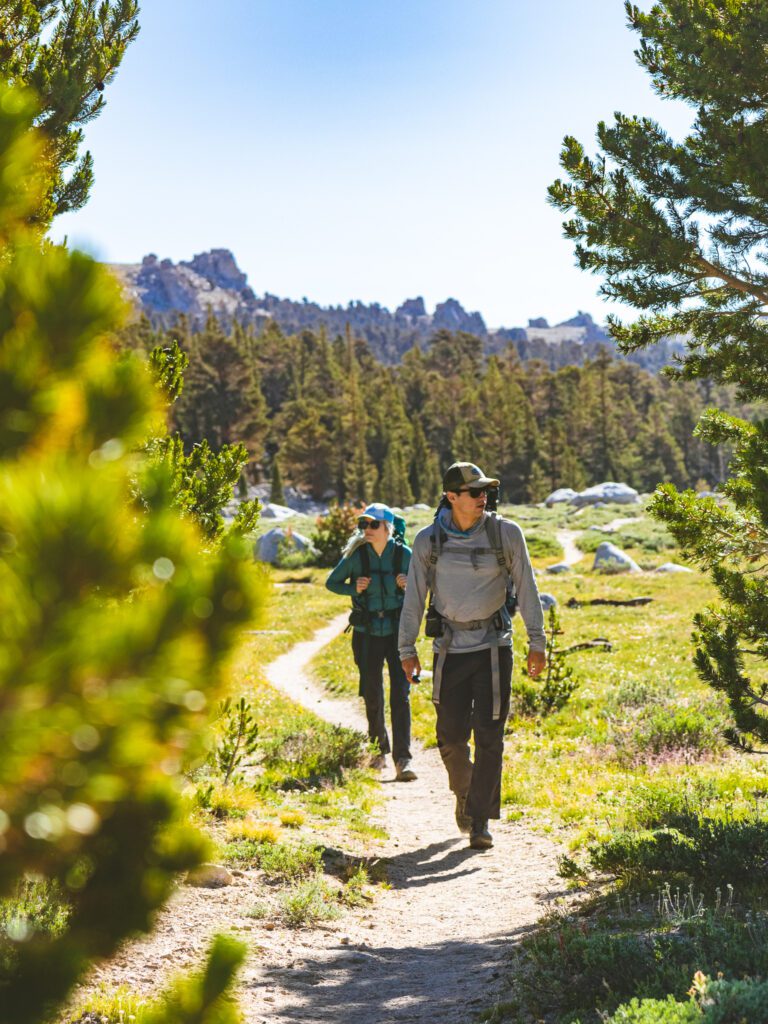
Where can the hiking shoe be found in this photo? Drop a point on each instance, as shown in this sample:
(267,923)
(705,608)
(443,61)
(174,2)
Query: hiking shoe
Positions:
(479,837)
(404,771)
(463,820)
(379,762)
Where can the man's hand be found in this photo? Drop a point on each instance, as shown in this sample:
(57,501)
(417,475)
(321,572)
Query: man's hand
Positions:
(401,580)
(362,583)
(411,667)
(537,662)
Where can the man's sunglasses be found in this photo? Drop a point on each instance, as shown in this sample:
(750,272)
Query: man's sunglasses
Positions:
(369,524)
(473,492)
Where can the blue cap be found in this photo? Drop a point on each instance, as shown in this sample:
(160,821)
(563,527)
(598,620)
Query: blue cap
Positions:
(378,511)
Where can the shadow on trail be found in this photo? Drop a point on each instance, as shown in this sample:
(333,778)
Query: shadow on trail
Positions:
(437,862)
(444,983)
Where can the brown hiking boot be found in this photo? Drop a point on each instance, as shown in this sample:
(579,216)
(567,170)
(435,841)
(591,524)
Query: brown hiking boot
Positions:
(404,770)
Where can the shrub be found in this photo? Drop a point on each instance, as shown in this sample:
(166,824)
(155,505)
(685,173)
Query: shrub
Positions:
(307,903)
(332,532)
(307,758)
(700,848)
(577,968)
(114,621)
(278,861)
(292,817)
(679,729)
(711,1002)
(254,831)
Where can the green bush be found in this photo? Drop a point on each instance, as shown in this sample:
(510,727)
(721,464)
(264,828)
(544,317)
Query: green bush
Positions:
(687,729)
(332,532)
(657,1011)
(115,623)
(703,849)
(711,1002)
(579,968)
(320,752)
(307,903)
(543,545)
(279,861)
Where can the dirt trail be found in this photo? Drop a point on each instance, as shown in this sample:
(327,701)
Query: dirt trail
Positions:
(567,541)
(430,950)
(432,947)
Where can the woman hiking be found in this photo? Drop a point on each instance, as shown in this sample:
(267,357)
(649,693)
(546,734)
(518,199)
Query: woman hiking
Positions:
(372,571)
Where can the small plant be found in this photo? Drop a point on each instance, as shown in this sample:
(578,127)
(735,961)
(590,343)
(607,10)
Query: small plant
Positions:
(225,801)
(259,911)
(332,531)
(355,893)
(289,556)
(239,738)
(308,902)
(118,1005)
(278,861)
(253,831)
(313,755)
(559,681)
(292,817)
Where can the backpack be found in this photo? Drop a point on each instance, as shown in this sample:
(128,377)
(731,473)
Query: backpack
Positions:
(360,614)
(434,626)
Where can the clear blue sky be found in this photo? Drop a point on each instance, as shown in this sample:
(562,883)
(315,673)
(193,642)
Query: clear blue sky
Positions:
(354,149)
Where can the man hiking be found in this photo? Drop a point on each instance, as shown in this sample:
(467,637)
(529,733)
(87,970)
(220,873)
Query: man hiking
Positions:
(469,559)
(372,571)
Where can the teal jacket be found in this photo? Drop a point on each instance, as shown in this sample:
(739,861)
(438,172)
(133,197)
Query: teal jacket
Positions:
(383,594)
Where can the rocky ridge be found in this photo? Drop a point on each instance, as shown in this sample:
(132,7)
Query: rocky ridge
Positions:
(212,280)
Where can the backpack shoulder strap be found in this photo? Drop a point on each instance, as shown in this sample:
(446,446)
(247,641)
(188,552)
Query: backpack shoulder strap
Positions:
(365,559)
(436,541)
(493,529)
(397,558)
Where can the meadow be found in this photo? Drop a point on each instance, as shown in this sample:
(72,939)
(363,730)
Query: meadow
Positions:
(662,823)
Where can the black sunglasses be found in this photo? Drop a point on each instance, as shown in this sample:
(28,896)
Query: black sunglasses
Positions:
(369,524)
(473,492)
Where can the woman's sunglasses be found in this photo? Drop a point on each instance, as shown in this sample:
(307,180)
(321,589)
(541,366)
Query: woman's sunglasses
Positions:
(369,524)
(474,492)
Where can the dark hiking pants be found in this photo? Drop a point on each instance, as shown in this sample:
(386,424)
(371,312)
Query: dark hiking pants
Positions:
(370,653)
(466,708)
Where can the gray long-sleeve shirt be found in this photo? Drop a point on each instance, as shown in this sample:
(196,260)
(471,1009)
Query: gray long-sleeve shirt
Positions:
(470,585)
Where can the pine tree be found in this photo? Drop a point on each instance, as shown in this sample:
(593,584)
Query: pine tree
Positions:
(395,487)
(677,228)
(424,471)
(276,495)
(66,52)
(114,623)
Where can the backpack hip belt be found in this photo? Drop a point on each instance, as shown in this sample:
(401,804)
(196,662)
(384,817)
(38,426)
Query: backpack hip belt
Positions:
(452,626)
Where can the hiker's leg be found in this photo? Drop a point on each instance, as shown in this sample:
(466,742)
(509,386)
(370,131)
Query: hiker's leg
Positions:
(399,703)
(369,656)
(454,720)
(484,800)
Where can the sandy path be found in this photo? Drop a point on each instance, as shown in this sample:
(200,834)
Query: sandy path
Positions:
(430,950)
(567,541)
(567,538)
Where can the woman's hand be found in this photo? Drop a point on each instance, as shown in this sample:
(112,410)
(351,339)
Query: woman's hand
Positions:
(362,583)
(401,580)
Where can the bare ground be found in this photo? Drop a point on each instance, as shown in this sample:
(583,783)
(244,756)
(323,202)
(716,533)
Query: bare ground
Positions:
(431,949)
